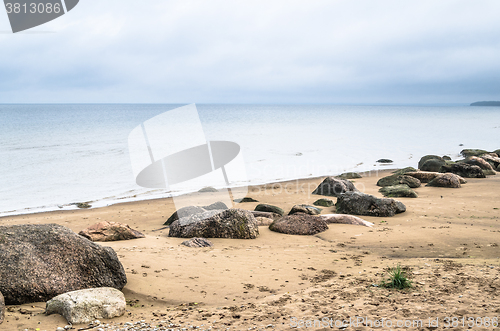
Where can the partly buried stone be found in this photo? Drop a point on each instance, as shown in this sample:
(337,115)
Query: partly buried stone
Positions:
(323,202)
(492,160)
(345,219)
(357,203)
(184,212)
(463,170)
(110,231)
(208,189)
(230,223)
(334,187)
(480,162)
(264,221)
(426,177)
(349,175)
(85,306)
(2,308)
(489,172)
(306,209)
(446,180)
(473,152)
(428,157)
(399,179)
(216,206)
(299,224)
(432,165)
(39,262)
(245,199)
(398,191)
(384,161)
(265,214)
(497,152)
(197,243)
(404,171)
(270,209)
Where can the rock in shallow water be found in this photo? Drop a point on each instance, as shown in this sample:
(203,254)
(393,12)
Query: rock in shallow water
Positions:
(85,306)
(230,223)
(110,231)
(357,203)
(334,187)
(299,224)
(39,262)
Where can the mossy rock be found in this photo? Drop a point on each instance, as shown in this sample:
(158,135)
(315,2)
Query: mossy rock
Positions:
(398,180)
(349,175)
(428,157)
(306,209)
(404,171)
(398,191)
(385,161)
(432,165)
(446,158)
(83,205)
(323,202)
(473,152)
(497,152)
(270,209)
(246,199)
(489,172)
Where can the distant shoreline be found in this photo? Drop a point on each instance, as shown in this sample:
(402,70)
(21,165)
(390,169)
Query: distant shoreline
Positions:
(486,103)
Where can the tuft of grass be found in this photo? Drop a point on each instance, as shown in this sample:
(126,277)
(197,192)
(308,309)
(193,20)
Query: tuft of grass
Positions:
(397,279)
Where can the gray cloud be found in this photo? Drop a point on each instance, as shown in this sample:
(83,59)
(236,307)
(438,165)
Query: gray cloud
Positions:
(257,51)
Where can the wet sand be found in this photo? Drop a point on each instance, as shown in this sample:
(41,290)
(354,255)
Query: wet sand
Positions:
(447,240)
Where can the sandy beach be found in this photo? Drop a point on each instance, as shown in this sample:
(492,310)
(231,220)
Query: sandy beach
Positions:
(448,241)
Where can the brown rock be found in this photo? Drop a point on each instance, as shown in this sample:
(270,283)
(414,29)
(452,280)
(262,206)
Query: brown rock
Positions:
(299,224)
(264,221)
(480,162)
(266,214)
(426,177)
(447,180)
(110,231)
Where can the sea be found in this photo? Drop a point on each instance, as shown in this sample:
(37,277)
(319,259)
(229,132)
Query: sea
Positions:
(55,155)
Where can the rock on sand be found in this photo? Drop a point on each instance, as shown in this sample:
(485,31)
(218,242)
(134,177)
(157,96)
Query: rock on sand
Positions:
(334,187)
(299,224)
(110,231)
(358,203)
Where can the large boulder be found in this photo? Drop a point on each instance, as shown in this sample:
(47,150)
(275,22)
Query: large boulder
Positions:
(357,203)
(399,179)
(85,306)
(398,191)
(230,223)
(497,152)
(300,224)
(404,171)
(334,187)
(349,175)
(323,202)
(426,177)
(184,212)
(480,162)
(428,157)
(39,262)
(306,209)
(473,152)
(432,165)
(270,209)
(446,180)
(110,231)
(492,160)
(345,219)
(463,170)
(2,308)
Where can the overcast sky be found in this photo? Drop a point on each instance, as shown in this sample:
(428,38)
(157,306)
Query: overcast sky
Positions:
(252,51)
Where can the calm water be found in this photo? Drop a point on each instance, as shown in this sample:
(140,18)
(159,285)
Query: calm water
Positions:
(54,155)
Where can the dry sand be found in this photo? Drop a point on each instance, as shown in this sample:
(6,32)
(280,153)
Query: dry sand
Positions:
(448,241)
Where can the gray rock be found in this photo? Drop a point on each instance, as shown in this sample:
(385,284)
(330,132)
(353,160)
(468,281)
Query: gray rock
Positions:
(473,152)
(85,306)
(265,214)
(230,223)
(208,189)
(39,262)
(428,157)
(306,209)
(349,175)
(299,224)
(323,203)
(446,158)
(184,212)
(497,152)
(498,168)
(245,199)
(215,206)
(399,179)
(446,180)
(480,162)
(110,231)
(2,308)
(197,243)
(345,219)
(432,165)
(270,209)
(334,187)
(489,172)
(357,203)
(398,191)
(404,171)
(384,161)
(463,170)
